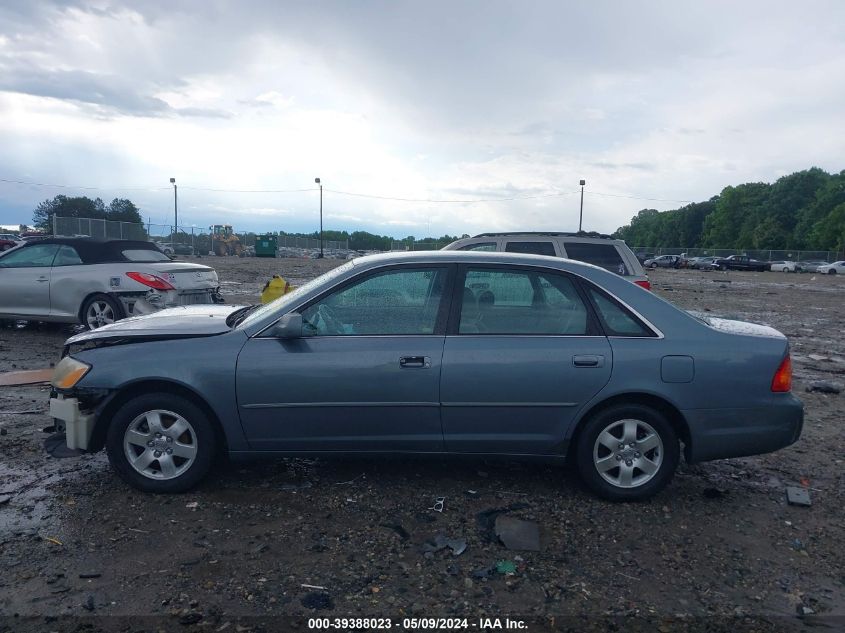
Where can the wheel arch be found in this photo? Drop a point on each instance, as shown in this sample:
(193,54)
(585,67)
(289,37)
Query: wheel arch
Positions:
(139,388)
(669,410)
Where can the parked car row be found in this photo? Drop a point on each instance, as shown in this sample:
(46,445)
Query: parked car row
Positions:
(741,262)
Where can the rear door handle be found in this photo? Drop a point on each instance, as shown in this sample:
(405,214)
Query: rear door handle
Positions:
(415,362)
(43,279)
(588,360)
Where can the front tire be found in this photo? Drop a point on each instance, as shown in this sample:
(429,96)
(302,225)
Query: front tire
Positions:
(161,443)
(627,453)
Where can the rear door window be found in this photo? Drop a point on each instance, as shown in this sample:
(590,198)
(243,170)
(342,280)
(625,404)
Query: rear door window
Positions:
(534,248)
(519,301)
(483,246)
(602,255)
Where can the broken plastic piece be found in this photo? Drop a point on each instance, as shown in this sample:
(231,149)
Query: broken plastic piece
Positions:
(516,534)
(797,496)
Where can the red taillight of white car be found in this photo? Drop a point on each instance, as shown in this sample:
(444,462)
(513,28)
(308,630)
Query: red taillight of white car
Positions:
(644,284)
(782,382)
(156,283)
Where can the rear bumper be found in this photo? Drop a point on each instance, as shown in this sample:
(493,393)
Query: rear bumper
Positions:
(723,433)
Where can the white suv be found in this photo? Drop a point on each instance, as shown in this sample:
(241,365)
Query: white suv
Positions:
(592,248)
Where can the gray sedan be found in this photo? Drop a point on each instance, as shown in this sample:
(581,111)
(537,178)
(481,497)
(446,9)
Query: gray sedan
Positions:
(442,353)
(97,281)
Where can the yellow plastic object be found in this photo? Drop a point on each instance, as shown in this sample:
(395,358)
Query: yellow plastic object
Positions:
(275,288)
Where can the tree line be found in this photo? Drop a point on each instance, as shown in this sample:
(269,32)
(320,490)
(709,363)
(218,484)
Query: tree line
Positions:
(801,211)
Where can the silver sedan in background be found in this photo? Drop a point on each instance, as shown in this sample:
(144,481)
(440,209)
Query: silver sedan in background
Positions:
(97,281)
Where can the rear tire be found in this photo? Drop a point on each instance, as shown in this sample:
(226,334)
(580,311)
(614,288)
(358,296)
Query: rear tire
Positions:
(99,310)
(832,271)
(161,443)
(642,467)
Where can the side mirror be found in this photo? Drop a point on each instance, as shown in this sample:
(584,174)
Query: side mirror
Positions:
(289,326)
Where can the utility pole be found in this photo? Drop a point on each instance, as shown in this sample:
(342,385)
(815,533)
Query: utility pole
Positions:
(580,215)
(175,210)
(317,180)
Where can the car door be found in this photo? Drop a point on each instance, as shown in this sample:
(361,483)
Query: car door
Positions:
(522,354)
(366,375)
(25,280)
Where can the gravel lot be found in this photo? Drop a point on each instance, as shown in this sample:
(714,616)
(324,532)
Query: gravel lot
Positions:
(720,541)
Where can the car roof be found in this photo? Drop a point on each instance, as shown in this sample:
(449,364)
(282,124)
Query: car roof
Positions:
(96,250)
(591,234)
(471,257)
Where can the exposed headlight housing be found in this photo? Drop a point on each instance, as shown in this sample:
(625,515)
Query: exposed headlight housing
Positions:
(68,372)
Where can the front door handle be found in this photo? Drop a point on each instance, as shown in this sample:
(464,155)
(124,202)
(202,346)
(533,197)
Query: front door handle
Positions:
(588,360)
(415,362)
(43,279)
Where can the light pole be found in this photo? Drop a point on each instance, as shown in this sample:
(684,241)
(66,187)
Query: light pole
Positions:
(317,180)
(175,210)
(581,215)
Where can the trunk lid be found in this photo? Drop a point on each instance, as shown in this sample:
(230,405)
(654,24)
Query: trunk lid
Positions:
(185,276)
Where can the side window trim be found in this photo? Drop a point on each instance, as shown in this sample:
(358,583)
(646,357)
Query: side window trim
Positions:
(442,311)
(594,326)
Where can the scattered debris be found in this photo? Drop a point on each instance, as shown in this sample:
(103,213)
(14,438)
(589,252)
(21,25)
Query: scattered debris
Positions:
(25,377)
(307,586)
(516,534)
(56,446)
(506,567)
(472,493)
(825,386)
(440,542)
(90,574)
(487,518)
(88,605)
(3,431)
(714,493)
(317,601)
(438,504)
(797,496)
(817,357)
(803,610)
(52,540)
(190,618)
(396,527)
(350,482)
(192,505)
(4,499)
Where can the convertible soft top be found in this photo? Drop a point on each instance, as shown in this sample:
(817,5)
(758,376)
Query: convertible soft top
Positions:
(97,250)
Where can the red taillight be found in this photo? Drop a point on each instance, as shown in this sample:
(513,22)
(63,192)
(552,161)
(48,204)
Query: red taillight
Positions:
(782,381)
(152,281)
(644,284)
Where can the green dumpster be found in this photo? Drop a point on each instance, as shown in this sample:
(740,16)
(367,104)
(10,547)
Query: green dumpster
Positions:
(265,246)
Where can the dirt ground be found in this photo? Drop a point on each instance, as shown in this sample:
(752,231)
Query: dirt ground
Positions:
(721,540)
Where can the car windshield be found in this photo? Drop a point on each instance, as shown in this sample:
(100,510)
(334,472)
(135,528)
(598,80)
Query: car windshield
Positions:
(144,255)
(280,305)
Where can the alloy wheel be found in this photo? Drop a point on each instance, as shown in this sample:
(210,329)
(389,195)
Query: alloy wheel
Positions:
(99,313)
(628,453)
(160,444)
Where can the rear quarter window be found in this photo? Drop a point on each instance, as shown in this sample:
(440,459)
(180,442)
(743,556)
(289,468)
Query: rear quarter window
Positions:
(602,255)
(617,321)
(144,255)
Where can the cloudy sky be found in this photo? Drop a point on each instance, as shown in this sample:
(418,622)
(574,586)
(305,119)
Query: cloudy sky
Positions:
(441,116)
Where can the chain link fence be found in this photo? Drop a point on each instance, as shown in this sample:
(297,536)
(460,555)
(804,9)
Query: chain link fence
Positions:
(763,255)
(184,240)
(417,246)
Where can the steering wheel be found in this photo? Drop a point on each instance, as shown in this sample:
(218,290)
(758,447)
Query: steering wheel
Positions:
(330,321)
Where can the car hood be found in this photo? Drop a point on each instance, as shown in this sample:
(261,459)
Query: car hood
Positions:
(179,322)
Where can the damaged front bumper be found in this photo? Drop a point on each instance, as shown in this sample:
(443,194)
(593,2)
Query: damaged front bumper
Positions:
(137,304)
(79,424)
